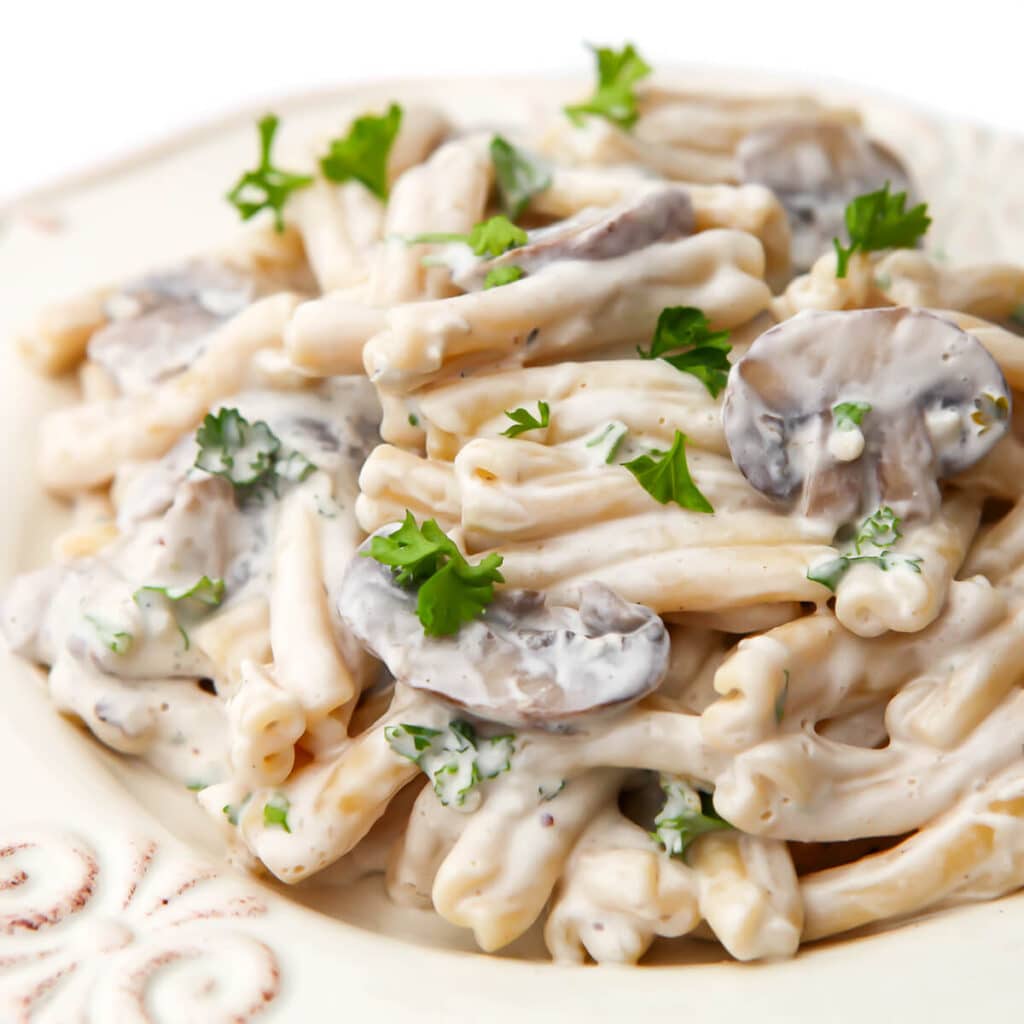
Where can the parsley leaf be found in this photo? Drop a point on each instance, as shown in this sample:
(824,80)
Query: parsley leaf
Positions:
(497,276)
(491,237)
(205,591)
(617,72)
(881,529)
(362,155)
(706,352)
(847,415)
(519,176)
(878,220)
(667,478)
(275,811)
(118,641)
(455,759)
(267,187)
(248,455)
(451,590)
(607,439)
(685,815)
(523,420)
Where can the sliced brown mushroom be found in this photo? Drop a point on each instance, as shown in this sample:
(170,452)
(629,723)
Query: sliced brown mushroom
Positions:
(938,403)
(816,169)
(595,234)
(524,662)
(160,323)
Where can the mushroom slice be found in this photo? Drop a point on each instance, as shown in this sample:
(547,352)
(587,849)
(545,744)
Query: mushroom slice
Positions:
(816,169)
(525,662)
(930,400)
(160,323)
(594,234)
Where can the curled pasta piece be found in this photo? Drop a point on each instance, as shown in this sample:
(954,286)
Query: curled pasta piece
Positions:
(239,633)
(569,307)
(83,446)
(264,722)
(56,341)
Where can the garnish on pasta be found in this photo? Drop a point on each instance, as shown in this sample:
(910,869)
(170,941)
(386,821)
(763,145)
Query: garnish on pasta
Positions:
(455,759)
(362,155)
(686,331)
(519,176)
(452,591)
(524,420)
(275,812)
(607,439)
(666,477)
(115,639)
(848,415)
(618,71)
(686,814)
(878,220)
(248,455)
(205,591)
(266,187)
(497,276)
(491,237)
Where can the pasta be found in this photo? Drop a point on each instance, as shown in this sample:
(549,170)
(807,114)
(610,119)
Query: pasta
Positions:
(561,526)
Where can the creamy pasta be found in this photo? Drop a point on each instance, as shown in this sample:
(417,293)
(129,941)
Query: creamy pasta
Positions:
(563,497)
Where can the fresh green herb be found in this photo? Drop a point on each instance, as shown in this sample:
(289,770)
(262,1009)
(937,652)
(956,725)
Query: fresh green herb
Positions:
(267,187)
(618,71)
(666,477)
(549,790)
(195,787)
(117,640)
(233,811)
(362,155)
(451,590)
(455,759)
(700,351)
(878,220)
(686,814)
(847,415)
(490,237)
(523,420)
(610,436)
(275,811)
(780,701)
(989,410)
(204,591)
(414,420)
(497,276)
(881,529)
(249,455)
(519,176)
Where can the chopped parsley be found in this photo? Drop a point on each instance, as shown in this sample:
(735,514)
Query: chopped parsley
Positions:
(549,790)
(686,331)
(491,237)
(686,814)
(878,220)
(497,276)
(524,420)
(871,543)
(451,590)
(233,811)
(248,455)
(414,420)
(362,155)
(848,415)
(666,477)
(267,187)
(455,759)
(618,71)
(114,639)
(608,438)
(275,812)
(519,176)
(205,591)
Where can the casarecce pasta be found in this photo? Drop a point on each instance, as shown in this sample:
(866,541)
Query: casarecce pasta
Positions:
(553,519)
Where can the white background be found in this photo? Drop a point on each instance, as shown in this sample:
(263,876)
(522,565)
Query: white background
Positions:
(82,81)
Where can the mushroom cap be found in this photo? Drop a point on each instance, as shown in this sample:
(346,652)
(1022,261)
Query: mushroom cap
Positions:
(815,169)
(524,662)
(596,234)
(922,376)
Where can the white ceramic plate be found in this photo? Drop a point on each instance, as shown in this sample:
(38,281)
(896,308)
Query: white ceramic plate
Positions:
(114,906)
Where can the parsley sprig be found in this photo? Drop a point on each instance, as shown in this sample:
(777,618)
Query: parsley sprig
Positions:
(686,814)
(524,420)
(451,590)
(519,176)
(878,220)
(666,477)
(618,71)
(700,351)
(491,237)
(362,155)
(248,455)
(266,187)
(455,759)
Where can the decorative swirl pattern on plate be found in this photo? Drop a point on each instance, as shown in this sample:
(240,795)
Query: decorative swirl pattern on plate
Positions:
(137,938)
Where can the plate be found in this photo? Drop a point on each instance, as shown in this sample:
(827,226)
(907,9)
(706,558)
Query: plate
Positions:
(115,904)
